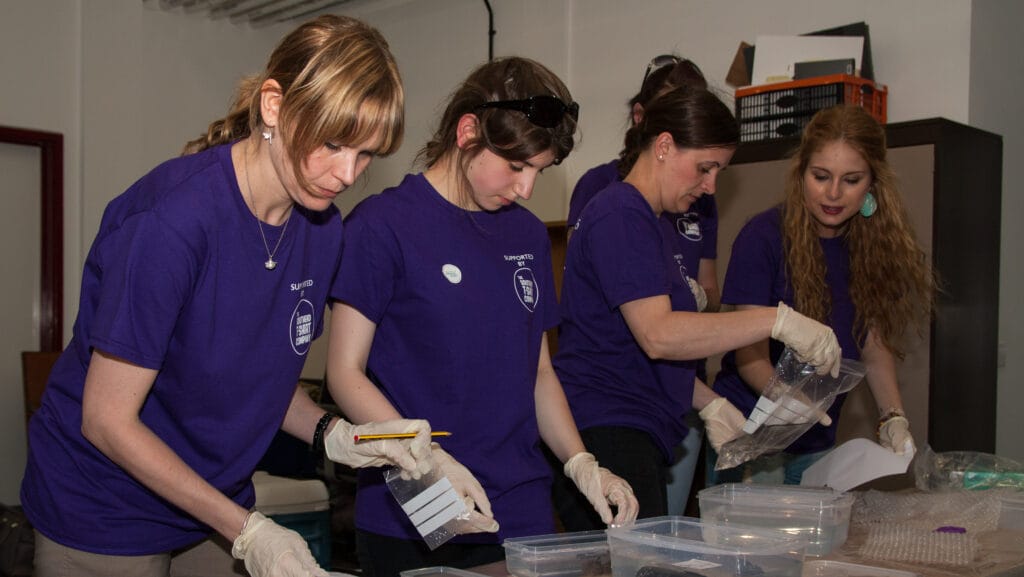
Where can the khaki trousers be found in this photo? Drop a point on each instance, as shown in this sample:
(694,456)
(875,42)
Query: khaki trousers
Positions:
(208,558)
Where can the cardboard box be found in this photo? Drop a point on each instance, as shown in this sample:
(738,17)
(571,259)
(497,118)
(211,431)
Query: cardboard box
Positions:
(741,70)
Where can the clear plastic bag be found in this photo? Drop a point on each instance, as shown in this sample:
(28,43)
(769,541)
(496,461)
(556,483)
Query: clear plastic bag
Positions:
(431,503)
(793,401)
(965,470)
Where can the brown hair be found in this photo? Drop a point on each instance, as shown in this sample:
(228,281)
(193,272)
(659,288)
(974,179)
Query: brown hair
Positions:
(339,82)
(892,284)
(694,116)
(507,133)
(682,72)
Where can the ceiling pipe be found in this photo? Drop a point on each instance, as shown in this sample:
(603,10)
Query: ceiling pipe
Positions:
(490,31)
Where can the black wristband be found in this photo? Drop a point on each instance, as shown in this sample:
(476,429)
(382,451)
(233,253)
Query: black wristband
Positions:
(318,435)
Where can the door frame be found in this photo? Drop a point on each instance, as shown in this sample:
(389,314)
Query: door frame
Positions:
(51,195)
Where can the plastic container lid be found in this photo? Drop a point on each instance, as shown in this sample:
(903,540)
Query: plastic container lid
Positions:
(439,571)
(694,535)
(824,568)
(772,496)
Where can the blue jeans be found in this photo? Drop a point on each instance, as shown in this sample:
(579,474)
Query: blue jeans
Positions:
(681,474)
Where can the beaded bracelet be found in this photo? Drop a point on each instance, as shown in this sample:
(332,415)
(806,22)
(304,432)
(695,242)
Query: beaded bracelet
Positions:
(892,413)
(318,435)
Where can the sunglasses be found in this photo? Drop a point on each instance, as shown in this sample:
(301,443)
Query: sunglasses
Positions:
(543,111)
(659,62)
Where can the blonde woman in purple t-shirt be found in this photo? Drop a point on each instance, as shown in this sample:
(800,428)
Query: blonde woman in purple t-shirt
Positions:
(200,298)
(840,249)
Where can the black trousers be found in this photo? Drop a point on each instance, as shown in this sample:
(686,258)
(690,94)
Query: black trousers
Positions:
(630,454)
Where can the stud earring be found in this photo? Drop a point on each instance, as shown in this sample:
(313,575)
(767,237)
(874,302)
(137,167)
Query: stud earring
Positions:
(869,207)
(268,136)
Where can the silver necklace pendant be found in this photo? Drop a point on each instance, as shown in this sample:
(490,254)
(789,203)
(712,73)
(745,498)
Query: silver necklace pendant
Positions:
(271,264)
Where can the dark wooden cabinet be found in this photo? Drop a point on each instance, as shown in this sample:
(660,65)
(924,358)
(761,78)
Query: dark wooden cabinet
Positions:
(951,178)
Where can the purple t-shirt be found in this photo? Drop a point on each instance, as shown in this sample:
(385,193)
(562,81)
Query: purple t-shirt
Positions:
(757,276)
(697,228)
(175,282)
(621,252)
(461,300)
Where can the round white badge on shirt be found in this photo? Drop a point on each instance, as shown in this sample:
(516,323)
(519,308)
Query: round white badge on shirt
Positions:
(452,273)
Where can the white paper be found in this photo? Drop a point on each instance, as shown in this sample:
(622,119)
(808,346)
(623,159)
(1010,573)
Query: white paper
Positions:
(775,56)
(854,463)
(786,411)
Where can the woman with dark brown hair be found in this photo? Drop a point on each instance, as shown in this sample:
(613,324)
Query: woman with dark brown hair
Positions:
(444,295)
(630,332)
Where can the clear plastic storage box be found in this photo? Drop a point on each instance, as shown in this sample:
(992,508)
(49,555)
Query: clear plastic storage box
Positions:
(1011,511)
(821,516)
(687,547)
(564,554)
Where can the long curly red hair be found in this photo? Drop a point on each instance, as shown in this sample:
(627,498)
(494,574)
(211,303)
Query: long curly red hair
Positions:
(892,282)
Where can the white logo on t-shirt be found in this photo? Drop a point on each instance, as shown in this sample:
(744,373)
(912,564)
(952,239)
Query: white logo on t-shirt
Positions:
(688,226)
(302,327)
(452,273)
(526,287)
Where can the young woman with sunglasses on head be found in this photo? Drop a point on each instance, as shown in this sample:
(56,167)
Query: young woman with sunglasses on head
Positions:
(192,333)
(841,249)
(444,294)
(697,236)
(630,329)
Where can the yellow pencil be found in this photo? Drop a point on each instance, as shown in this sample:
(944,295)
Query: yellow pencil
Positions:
(398,436)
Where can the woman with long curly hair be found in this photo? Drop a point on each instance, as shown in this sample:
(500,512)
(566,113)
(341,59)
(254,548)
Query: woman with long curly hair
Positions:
(839,249)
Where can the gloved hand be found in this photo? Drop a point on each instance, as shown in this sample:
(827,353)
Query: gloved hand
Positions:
(479,519)
(602,487)
(698,294)
(270,550)
(412,455)
(723,422)
(812,341)
(894,434)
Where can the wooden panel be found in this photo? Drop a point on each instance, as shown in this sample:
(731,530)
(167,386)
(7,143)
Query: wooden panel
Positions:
(35,370)
(558,235)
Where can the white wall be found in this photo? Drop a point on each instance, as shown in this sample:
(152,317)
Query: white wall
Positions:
(997,81)
(935,60)
(44,98)
(127,84)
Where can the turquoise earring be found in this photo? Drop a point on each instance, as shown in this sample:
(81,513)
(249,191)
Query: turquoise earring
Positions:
(869,207)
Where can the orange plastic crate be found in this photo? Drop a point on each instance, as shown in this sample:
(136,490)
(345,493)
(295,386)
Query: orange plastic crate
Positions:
(782,109)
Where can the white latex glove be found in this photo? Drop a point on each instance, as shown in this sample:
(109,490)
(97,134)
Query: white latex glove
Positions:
(480,518)
(723,422)
(270,550)
(812,341)
(602,488)
(698,294)
(412,455)
(894,434)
